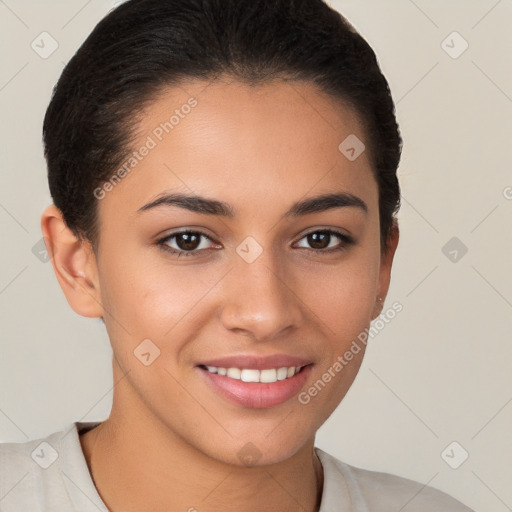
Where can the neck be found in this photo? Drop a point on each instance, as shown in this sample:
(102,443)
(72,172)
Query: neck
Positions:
(138,464)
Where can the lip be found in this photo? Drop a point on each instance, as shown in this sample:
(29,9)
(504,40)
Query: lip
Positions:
(256,395)
(256,362)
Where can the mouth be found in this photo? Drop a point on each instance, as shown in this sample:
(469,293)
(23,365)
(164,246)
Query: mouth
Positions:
(256,383)
(267,376)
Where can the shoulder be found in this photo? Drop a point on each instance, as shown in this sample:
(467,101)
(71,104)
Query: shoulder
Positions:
(381,492)
(39,475)
(25,468)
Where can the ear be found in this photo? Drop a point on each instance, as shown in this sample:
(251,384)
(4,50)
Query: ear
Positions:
(74,264)
(386,263)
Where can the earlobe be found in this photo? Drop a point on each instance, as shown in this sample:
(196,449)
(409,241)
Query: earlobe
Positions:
(377,310)
(74,264)
(385,269)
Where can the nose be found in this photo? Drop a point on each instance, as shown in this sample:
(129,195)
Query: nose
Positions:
(259,299)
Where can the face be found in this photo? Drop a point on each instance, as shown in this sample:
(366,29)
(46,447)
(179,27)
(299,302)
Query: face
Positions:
(247,276)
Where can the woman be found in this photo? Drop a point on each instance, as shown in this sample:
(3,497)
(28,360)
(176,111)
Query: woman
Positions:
(224,184)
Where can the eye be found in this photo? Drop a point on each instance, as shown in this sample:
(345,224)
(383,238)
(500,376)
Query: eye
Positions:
(186,243)
(320,240)
(190,243)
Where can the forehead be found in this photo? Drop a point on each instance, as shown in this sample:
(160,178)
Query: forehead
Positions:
(266,144)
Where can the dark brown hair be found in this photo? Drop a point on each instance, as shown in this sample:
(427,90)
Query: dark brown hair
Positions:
(144,46)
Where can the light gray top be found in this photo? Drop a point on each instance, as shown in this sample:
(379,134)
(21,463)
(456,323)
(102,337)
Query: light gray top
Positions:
(50,474)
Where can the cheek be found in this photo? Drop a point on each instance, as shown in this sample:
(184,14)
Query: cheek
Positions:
(343,300)
(156,300)
(343,296)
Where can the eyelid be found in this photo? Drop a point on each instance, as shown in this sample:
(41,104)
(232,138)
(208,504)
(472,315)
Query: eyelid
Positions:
(338,231)
(346,240)
(162,241)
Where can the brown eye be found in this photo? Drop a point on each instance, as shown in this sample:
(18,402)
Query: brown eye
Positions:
(319,240)
(325,240)
(188,241)
(185,243)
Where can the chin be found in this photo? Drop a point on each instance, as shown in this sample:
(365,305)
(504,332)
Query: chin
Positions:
(257,450)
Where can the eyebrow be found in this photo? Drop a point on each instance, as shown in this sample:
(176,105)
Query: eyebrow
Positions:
(207,206)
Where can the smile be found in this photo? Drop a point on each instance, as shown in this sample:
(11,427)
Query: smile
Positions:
(260,388)
(267,376)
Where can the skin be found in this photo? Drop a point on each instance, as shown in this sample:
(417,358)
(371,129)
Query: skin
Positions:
(171,441)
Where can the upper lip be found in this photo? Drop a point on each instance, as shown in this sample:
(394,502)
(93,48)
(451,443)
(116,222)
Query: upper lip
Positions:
(256,362)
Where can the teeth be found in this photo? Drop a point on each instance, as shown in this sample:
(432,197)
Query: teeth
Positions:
(266,375)
(234,373)
(282,373)
(249,375)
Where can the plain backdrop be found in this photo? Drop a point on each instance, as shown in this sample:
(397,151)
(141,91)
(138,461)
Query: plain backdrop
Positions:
(439,373)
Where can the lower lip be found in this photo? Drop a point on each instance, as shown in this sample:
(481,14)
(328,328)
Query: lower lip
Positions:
(257,395)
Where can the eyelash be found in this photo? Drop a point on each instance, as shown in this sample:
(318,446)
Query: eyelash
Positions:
(346,240)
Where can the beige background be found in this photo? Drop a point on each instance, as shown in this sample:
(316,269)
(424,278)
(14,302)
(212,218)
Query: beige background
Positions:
(439,372)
